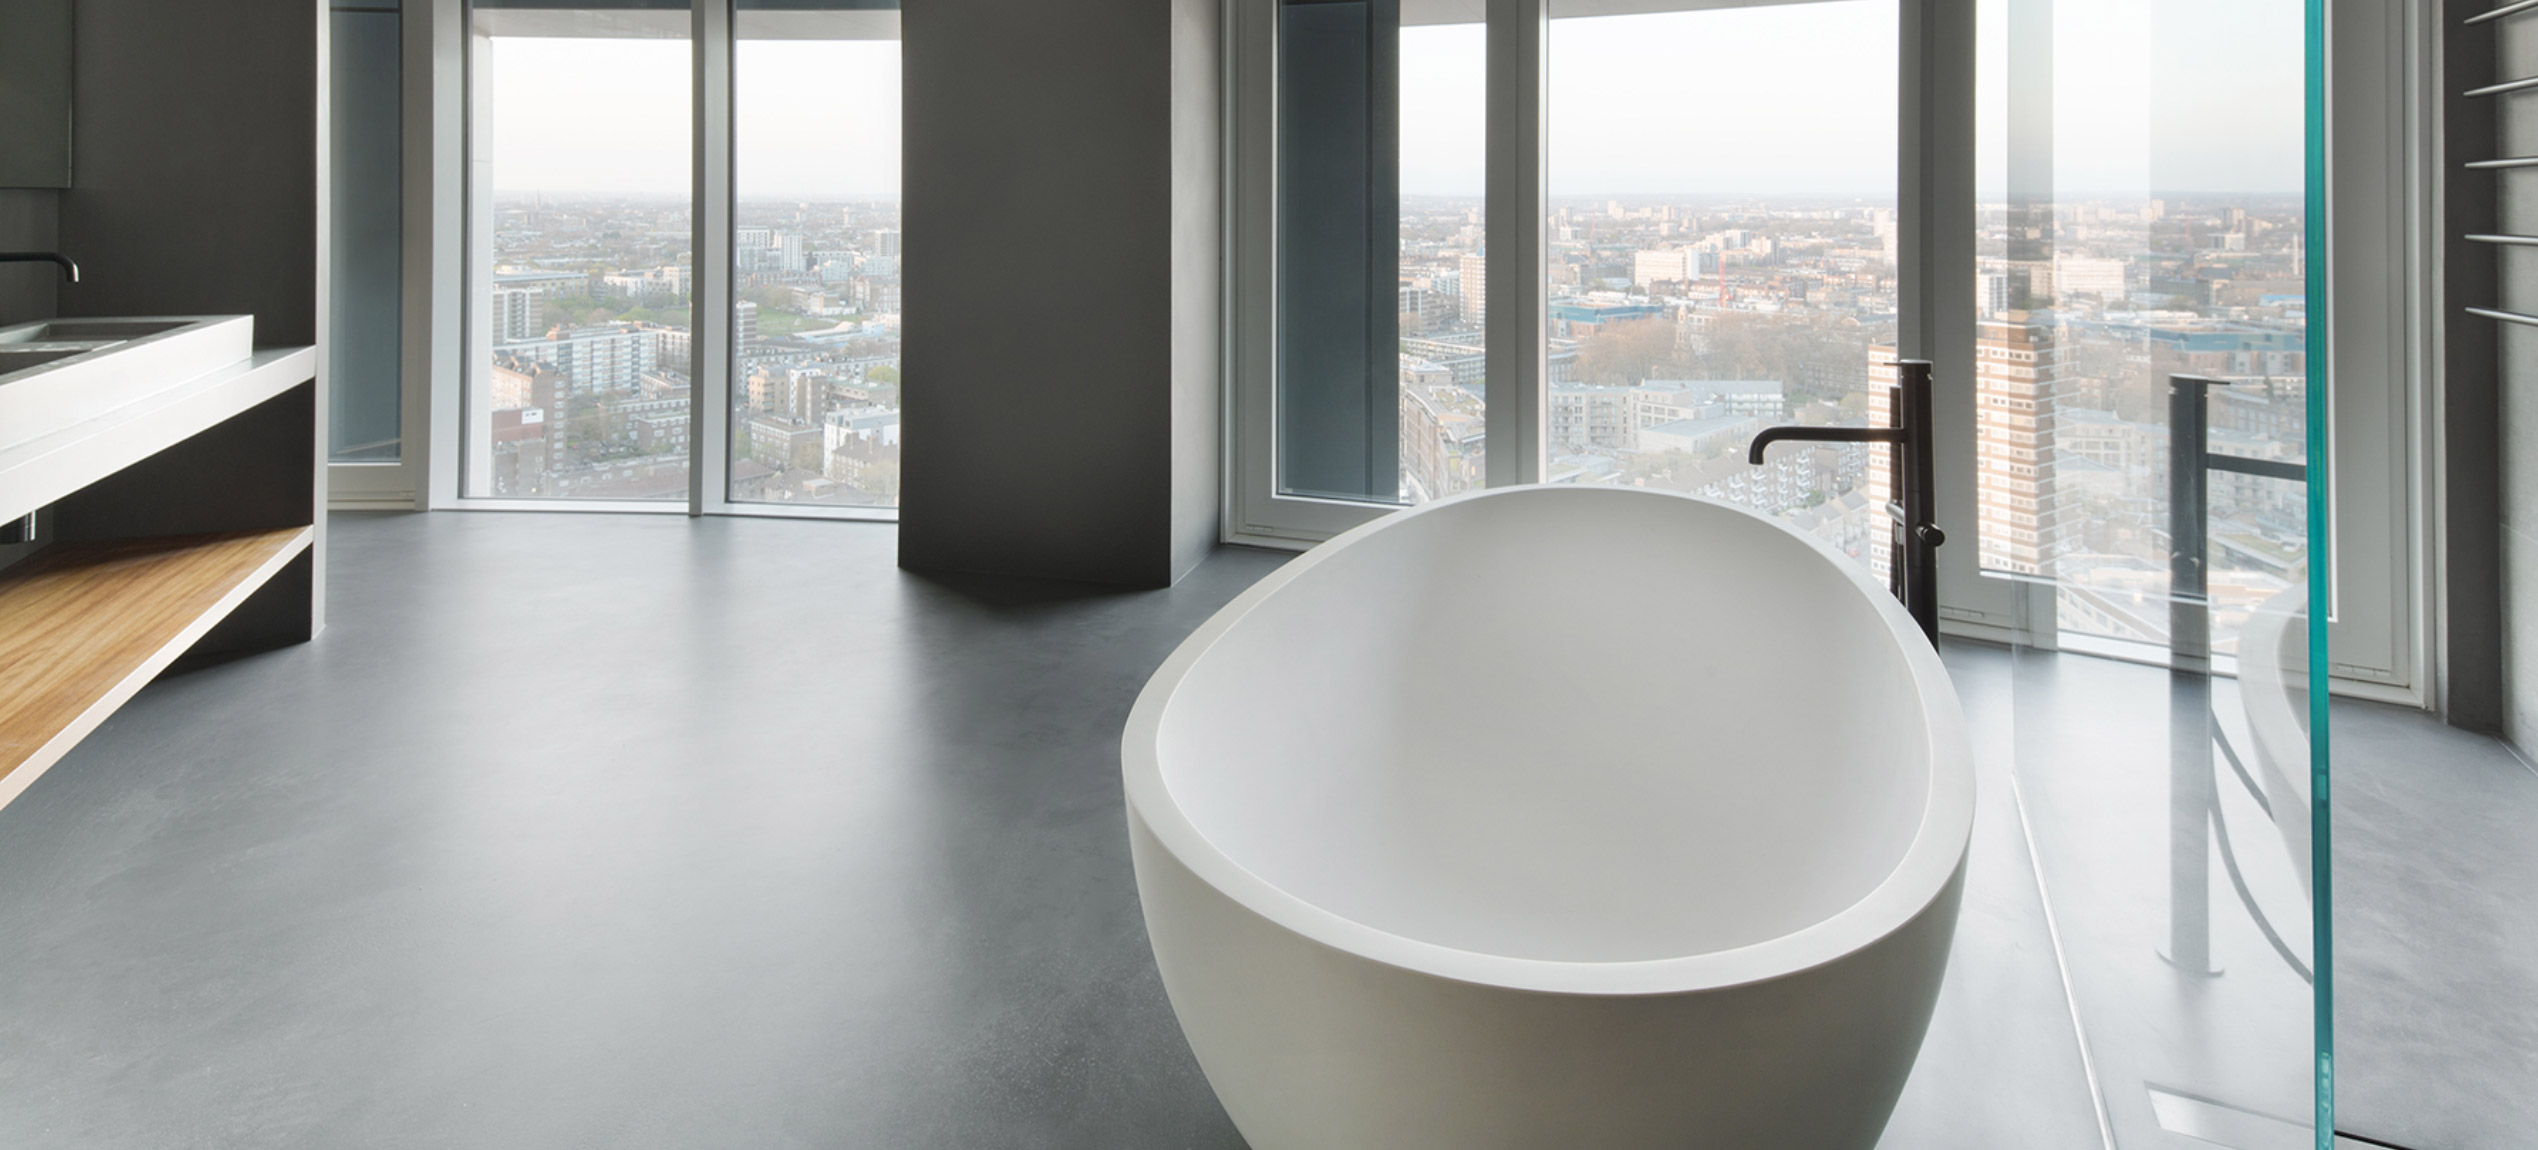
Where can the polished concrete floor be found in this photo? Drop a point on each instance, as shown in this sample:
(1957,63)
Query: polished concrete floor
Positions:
(2436,928)
(638,831)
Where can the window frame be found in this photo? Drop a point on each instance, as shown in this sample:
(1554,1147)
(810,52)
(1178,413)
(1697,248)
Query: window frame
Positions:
(2383,391)
(1934,219)
(441,329)
(372,484)
(1256,512)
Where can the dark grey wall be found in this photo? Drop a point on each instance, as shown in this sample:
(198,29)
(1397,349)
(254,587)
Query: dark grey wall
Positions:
(194,188)
(35,92)
(28,221)
(2515,434)
(2471,642)
(1061,290)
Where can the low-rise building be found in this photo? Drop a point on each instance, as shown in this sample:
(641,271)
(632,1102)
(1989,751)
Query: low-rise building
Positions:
(1699,436)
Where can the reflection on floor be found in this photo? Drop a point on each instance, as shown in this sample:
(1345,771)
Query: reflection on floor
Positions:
(2000,1067)
(642,831)
(2178,901)
(2436,923)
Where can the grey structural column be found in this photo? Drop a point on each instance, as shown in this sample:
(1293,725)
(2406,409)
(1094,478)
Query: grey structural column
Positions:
(1339,247)
(1063,160)
(1516,262)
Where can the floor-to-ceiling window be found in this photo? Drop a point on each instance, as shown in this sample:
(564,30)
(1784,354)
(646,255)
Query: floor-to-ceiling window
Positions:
(580,252)
(1722,248)
(1719,240)
(815,385)
(592,376)
(2142,223)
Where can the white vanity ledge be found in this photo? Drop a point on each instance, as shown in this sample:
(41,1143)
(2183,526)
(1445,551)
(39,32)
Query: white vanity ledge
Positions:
(39,471)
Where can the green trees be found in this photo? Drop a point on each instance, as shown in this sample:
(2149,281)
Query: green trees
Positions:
(1810,355)
(1626,352)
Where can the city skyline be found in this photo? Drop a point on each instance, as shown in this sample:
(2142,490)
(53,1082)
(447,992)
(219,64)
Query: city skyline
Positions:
(1696,294)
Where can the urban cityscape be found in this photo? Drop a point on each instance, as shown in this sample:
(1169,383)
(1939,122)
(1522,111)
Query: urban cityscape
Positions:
(1680,322)
(1680,326)
(586,395)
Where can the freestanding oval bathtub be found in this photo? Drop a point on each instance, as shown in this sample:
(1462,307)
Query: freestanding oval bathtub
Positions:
(1553,817)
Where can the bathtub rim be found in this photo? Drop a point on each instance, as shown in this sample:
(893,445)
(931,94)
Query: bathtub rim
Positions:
(1929,862)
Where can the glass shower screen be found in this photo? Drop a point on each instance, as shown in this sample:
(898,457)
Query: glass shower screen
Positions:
(2148,397)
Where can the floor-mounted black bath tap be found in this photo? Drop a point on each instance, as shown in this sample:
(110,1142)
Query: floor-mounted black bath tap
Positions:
(1911,478)
(70,271)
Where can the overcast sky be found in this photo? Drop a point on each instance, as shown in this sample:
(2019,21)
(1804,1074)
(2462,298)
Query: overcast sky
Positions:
(1789,98)
(2171,95)
(817,119)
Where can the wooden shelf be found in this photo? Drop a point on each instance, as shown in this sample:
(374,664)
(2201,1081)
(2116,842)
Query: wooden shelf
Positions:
(84,626)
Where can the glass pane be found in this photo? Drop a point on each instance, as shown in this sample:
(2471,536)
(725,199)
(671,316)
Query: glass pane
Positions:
(579,252)
(1444,287)
(815,397)
(1713,273)
(365,256)
(2142,397)
(2126,241)
(1381,292)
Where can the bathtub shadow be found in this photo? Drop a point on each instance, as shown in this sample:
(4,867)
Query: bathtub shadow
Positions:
(1033,1013)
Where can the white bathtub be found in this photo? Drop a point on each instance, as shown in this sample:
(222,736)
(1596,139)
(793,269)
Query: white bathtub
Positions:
(1553,817)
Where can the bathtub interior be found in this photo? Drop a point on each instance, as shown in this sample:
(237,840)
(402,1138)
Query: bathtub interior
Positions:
(1586,725)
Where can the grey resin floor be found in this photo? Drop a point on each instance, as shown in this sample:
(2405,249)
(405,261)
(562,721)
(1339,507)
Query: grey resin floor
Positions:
(638,831)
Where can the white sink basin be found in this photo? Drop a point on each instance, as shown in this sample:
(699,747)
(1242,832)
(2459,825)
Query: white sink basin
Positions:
(58,372)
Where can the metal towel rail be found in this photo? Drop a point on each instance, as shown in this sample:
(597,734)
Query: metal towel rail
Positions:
(2505,316)
(2499,13)
(2507,86)
(2502,163)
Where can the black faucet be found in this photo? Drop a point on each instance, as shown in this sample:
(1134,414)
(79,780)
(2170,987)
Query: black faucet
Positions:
(70,271)
(1911,477)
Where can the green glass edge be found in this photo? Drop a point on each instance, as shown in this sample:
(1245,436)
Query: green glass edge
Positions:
(2321,870)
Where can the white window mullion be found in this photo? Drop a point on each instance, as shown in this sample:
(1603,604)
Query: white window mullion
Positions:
(710,297)
(436,273)
(1516,259)
(1935,248)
